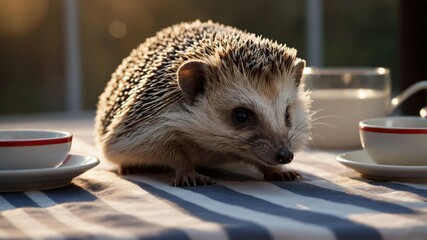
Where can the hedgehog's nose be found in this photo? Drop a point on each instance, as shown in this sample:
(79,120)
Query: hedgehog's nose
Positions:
(284,156)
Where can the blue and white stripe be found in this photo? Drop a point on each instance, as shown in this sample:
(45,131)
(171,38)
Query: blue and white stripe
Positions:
(332,202)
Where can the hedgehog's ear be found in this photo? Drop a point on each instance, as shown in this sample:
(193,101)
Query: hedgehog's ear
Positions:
(191,77)
(299,66)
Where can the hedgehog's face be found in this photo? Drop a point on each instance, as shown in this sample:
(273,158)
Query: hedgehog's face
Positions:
(258,120)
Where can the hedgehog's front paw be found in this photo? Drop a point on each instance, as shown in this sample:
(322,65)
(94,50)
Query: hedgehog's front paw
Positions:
(275,174)
(190,179)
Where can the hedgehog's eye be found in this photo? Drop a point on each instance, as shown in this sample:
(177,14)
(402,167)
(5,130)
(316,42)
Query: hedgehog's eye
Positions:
(288,117)
(241,115)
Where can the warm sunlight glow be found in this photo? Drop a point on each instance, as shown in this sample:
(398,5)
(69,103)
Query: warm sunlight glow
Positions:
(361,94)
(307,70)
(381,70)
(20,17)
(395,101)
(423,112)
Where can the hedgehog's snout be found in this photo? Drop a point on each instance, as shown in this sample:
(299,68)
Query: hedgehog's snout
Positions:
(284,156)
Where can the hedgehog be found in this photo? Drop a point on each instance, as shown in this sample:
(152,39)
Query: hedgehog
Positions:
(204,94)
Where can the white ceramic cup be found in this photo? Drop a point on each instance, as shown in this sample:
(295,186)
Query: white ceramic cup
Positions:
(342,97)
(395,140)
(31,149)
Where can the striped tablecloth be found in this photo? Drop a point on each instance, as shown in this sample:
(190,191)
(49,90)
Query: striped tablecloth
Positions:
(331,202)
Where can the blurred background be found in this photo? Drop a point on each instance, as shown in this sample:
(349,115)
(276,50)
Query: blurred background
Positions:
(50,48)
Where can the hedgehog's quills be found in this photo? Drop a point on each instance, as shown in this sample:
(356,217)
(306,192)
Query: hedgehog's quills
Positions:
(201,94)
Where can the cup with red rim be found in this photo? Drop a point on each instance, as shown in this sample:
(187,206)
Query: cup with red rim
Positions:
(395,140)
(33,149)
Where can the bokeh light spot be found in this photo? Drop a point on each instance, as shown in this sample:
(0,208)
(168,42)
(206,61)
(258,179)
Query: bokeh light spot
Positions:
(117,29)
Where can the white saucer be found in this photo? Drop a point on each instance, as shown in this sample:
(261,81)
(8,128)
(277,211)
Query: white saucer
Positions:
(362,163)
(46,178)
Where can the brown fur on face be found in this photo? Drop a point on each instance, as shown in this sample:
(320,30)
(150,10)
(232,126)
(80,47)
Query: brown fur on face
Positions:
(179,98)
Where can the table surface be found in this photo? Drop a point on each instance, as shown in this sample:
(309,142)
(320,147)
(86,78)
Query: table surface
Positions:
(331,202)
